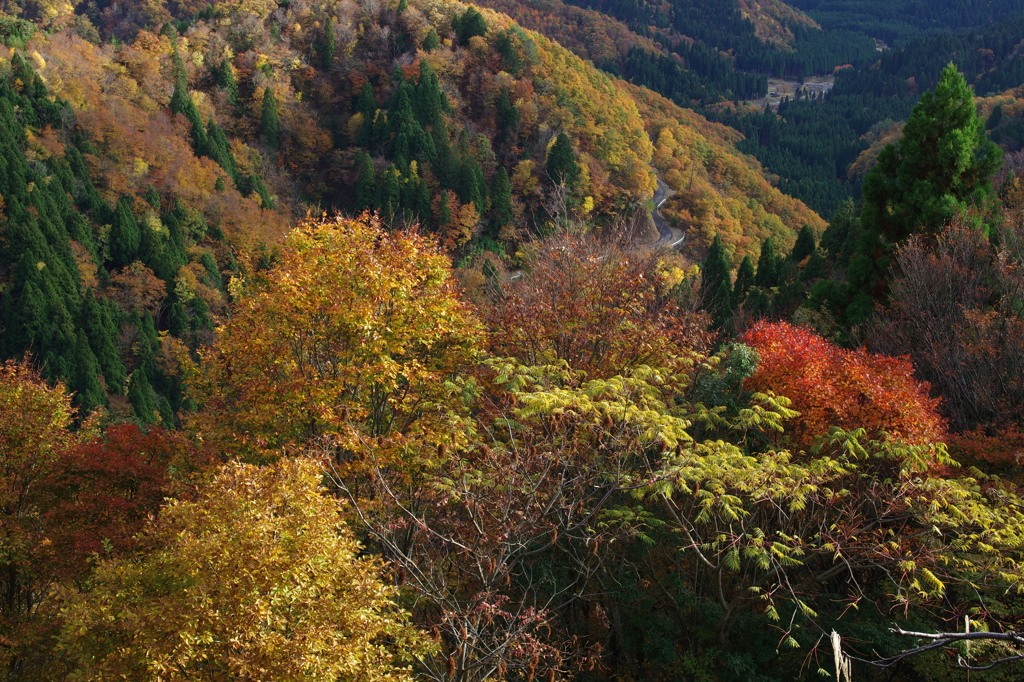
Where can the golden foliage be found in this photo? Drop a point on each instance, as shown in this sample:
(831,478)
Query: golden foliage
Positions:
(354,332)
(719,191)
(257,579)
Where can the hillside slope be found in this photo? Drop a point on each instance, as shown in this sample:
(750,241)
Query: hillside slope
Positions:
(195,140)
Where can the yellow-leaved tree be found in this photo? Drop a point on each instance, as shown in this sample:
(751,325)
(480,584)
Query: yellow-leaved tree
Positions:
(354,333)
(258,579)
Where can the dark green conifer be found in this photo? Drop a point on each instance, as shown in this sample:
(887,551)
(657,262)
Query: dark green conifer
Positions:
(941,167)
(125,235)
(838,236)
(470,24)
(367,106)
(260,188)
(181,103)
(220,148)
(716,284)
(744,280)
(226,79)
(270,126)
(562,167)
(84,382)
(444,212)
(501,199)
(804,246)
(366,185)
(469,188)
(767,266)
(431,42)
(506,116)
(143,399)
(430,99)
(816,268)
(390,192)
(101,330)
(327,44)
(511,60)
(422,206)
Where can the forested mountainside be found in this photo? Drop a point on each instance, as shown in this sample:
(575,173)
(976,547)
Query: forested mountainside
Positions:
(811,142)
(414,340)
(180,159)
(902,20)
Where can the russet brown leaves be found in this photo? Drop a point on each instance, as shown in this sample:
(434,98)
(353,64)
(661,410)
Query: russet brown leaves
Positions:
(601,310)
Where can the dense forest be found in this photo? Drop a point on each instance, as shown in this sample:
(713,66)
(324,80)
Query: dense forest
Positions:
(419,340)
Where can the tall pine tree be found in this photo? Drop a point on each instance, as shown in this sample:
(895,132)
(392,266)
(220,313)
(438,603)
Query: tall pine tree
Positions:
(561,166)
(942,166)
(270,126)
(716,284)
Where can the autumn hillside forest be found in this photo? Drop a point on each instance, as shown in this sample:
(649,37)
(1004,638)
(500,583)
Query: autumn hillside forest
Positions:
(517,341)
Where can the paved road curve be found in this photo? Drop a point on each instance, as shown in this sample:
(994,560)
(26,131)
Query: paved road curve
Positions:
(670,236)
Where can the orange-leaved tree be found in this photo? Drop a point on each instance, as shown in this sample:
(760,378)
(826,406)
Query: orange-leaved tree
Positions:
(836,387)
(355,332)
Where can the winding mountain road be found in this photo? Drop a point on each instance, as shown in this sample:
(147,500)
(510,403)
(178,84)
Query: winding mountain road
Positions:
(671,237)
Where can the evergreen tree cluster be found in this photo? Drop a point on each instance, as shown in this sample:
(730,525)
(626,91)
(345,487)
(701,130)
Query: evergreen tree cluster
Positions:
(210,140)
(775,289)
(810,144)
(60,246)
(406,148)
(939,171)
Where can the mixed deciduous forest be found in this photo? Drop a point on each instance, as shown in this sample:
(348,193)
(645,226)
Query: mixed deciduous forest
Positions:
(402,340)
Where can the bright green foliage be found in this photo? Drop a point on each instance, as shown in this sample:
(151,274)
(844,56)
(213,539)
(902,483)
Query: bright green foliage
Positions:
(716,284)
(257,573)
(270,126)
(561,165)
(941,167)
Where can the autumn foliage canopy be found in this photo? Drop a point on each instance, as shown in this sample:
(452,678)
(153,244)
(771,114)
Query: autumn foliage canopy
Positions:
(833,386)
